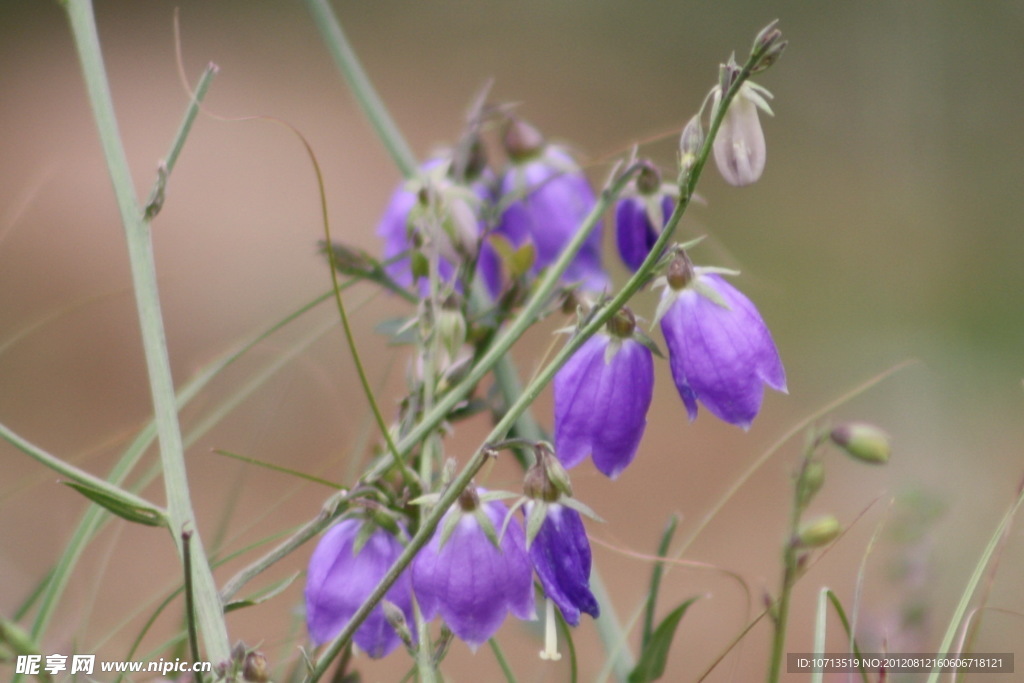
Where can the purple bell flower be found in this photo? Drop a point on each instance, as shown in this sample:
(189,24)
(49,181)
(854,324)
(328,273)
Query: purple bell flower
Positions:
(602,394)
(634,233)
(550,196)
(640,216)
(720,350)
(560,553)
(467,580)
(340,579)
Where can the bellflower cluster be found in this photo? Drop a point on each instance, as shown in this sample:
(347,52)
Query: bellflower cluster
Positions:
(343,571)
(469,576)
(602,394)
(720,350)
(460,220)
(542,198)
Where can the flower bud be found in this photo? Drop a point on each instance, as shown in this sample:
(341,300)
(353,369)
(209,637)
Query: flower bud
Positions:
(819,532)
(690,143)
(521,140)
(811,481)
(256,668)
(862,441)
(451,326)
(396,619)
(739,146)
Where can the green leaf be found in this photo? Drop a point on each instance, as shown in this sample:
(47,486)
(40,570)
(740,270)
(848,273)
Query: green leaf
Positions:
(656,574)
(262,595)
(15,640)
(121,507)
(651,666)
(517,260)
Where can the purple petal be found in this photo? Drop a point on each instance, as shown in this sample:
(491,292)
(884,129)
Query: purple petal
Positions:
(552,197)
(338,582)
(601,407)
(721,355)
(561,556)
(634,233)
(472,584)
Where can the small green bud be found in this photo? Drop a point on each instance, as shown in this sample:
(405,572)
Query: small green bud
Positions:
(819,532)
(690,143)
(451,327)
(862,441)
(811,481)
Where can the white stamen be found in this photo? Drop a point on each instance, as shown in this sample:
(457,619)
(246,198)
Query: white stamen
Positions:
(550,651)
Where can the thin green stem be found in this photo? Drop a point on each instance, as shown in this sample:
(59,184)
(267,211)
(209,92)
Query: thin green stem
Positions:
(156,195)
(499,655)
(791,563)
(143,267)
(345,58)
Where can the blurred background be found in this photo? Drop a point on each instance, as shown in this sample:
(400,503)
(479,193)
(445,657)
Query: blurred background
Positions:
(887,227)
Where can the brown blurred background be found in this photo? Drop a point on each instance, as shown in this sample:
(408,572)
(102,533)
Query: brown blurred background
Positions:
(887,227)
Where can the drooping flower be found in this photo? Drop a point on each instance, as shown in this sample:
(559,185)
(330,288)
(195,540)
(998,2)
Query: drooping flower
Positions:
(548,197)
(739,146)
(561,557)
(640,216)
(465,577)
(342,575)
(602,394)
(557,542)
(720,350)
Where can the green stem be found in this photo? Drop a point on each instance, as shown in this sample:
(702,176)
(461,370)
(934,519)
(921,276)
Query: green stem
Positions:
(346,60)
(140,251)
(156,195)
(791,566)
(499,655)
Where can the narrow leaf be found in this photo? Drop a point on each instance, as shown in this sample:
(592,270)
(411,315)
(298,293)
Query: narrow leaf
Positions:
(659,569)
(263,595)
(123,508)
(652,662)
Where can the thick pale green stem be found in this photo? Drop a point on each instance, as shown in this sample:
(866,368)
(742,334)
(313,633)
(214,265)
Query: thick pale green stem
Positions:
(179,506)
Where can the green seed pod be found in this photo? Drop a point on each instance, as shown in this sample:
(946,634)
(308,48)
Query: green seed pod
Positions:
(811,482)
(862,441)
(819,532)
